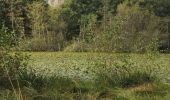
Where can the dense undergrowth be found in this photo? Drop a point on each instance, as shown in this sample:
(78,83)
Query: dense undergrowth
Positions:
(120,28)
(81,76)
(116,77)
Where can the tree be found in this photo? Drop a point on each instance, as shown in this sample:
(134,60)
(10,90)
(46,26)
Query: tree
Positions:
(13,16)
(138,30)
(71,13)
(159,7)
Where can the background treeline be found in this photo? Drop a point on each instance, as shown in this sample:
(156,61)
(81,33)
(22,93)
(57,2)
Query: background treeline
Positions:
(89,25)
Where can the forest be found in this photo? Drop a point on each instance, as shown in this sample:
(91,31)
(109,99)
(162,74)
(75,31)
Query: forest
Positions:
(79,25)
(85,50)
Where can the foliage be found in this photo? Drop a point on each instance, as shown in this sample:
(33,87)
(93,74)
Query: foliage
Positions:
(132,29)
(7,38)
(11,63)
(132,26)
(94,22)
(73,12)
(126,72)
(159,7)
(40,82)
(86,65)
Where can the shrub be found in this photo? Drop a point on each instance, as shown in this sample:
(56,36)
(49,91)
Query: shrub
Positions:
(77,47)
(10,62)
(10,66)
(7,38)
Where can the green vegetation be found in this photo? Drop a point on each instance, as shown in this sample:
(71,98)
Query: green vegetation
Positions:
(61,75)
(88,25)
(102,50)
(11,63)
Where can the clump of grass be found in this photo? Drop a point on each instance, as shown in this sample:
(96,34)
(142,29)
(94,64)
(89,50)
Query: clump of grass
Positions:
(123,80)
(54,86)
(125,73)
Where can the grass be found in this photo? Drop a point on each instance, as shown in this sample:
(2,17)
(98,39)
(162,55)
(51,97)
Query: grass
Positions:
(94,76)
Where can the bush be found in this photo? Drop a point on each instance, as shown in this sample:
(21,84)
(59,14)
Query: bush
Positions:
(77,47)
(10,62)
(10,66)
(43,43)
(7,38)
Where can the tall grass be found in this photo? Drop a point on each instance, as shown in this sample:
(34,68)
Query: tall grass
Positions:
(127,72)
(121,77)
(10,65)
